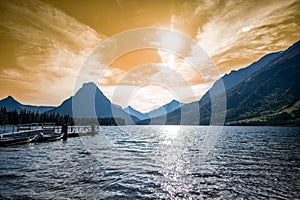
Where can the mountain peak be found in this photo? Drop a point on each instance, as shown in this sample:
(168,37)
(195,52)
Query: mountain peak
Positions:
(128,108)
(88,101)
(173,102)
(9,99)
(10,104)
(89,85)
(167,108)
(91,91)
(133,112)
(89,88)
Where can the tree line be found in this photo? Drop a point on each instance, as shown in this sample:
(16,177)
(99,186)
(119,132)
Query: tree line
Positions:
(26,117)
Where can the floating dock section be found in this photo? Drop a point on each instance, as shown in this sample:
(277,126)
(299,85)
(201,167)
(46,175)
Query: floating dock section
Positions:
(27,133)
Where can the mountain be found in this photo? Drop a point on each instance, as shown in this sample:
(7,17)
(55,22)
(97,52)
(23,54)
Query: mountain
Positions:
(235,77)
(86,96)
(163,110)
(90,102)
(158,116)
(229,80)
(167,108)
(270,96)
(10,104)
(131,111)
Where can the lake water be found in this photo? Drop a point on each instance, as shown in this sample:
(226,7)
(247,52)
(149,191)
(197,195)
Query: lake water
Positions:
(155,162)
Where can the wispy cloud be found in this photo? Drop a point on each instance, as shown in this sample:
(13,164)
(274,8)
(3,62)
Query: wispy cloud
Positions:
(54,45)
(241,31)
(234,34)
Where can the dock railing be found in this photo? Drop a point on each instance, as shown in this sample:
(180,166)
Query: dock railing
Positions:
(10,130)
(46,128)
(79,129)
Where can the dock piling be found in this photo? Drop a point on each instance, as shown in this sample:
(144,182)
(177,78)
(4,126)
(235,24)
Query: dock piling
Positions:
(64,131)
(93,129)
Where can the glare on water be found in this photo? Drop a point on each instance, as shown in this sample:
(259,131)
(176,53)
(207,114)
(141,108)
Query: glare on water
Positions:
(140,162)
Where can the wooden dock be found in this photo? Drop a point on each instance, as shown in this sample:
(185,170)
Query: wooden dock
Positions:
(26,133)
(23,133)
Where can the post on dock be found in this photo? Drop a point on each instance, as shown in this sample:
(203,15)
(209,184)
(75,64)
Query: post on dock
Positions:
(64,131)
(93,129)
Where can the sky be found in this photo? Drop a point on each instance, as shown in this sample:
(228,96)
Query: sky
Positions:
(45,44)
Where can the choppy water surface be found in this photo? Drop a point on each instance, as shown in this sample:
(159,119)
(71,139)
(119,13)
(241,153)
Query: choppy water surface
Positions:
(140,162)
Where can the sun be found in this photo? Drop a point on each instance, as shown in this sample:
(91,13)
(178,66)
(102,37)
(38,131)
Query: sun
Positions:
(172,41)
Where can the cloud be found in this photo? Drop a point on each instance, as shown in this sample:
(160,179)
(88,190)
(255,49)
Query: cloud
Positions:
(54,45)
(194,68)
(243,31)
(148,97)
(159,85)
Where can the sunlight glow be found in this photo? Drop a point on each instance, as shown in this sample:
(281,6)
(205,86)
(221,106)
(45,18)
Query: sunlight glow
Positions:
(170,133)
(173,42)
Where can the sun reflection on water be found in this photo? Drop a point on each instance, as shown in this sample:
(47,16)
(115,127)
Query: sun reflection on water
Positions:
(169,133)
(174,161)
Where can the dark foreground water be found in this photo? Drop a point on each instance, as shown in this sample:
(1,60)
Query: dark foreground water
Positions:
(157,162)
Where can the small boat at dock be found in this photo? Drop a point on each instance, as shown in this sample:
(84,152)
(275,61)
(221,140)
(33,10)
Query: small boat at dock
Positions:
(14,140)
(28,133)
(40,137)
(47,132)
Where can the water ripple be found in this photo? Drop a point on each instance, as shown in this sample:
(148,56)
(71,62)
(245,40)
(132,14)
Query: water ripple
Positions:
(150,162)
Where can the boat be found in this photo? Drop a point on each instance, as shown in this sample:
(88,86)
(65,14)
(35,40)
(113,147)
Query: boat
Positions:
(14,140)
(30,133)
(40,137)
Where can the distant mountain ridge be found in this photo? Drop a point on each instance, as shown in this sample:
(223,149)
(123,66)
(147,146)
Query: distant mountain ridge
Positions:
(267,92)
(90,102)
(237,76)
(270,96)
(163,110)
(10,104)
(131,111)
(89,94)
(167,108)
(86,96)
(229,80)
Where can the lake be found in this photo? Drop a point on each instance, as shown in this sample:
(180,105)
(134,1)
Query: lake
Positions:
(157,162)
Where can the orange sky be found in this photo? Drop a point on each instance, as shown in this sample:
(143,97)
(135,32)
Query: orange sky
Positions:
(43,44)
